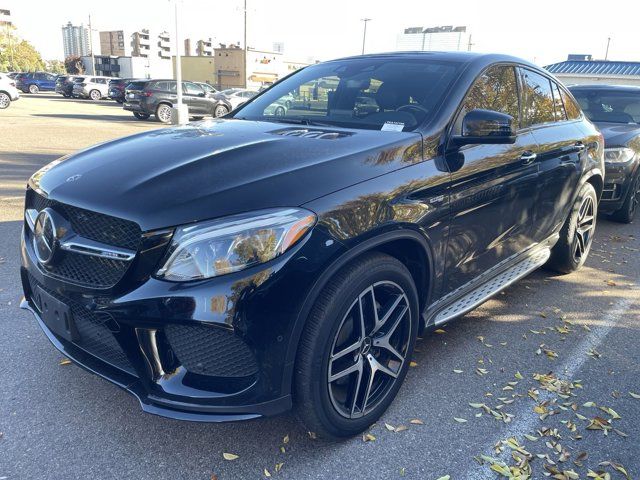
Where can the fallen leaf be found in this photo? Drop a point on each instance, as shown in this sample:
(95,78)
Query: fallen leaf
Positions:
(413,364)
(457,371)
(446,477)
(439,330)
(391,428)
(285,440)
(367,437)
(416,421)
(266,473)
(460,420)
(230,456)
(65,361)
(635,395)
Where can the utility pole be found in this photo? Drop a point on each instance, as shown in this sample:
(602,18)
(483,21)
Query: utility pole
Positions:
(606,55)
(246,49)
(180,113)
(469,45)
(364,33)
(93,57)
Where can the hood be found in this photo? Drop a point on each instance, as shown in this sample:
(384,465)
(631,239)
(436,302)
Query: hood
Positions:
(209,169)
(618,134)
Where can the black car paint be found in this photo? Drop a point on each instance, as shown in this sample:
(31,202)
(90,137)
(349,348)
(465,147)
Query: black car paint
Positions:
(449,213)
(618,176)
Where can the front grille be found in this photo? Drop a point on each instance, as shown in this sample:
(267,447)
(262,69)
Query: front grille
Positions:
(87,270)
(211,351)
(92,225)
(95,330)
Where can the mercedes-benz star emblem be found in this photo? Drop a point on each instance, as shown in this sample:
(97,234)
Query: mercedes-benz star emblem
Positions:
(44,237)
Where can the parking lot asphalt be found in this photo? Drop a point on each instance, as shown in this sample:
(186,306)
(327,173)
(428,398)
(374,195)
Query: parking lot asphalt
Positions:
(59,422)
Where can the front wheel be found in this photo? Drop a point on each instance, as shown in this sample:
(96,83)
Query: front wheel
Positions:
(356,347)
(141,116)
(629,208)
(33,89)
(163,113)
(220,111)
(576,235)
(5,101)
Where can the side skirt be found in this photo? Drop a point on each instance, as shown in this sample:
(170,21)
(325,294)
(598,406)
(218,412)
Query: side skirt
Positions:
(491,282)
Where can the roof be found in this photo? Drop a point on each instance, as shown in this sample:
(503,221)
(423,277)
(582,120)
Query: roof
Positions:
(595,67)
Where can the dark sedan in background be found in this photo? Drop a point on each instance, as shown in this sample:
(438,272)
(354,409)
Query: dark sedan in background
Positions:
(232,269)
(117,87)
(616,112)
(64,84)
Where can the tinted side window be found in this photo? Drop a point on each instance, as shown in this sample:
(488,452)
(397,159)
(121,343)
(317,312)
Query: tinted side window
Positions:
(561,114)
(537,102)
(573,110)
(192,89)
(496,89)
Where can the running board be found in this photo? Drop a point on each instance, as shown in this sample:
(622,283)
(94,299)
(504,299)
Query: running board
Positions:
(493,285)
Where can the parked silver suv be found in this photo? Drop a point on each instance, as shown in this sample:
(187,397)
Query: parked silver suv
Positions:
(8,91)
(94,88)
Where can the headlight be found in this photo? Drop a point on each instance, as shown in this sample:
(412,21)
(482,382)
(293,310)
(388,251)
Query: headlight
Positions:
(618,155)
(229,244)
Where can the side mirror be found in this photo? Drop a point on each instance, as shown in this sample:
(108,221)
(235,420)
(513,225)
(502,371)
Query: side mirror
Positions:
(486,127)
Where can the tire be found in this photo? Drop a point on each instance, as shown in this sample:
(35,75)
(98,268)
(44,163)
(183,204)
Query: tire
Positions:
(95,95)
(33,89)
(198,117)
(220,111)
(576,235)
(627,212)
(66,95)
(141,116)
(280,112)
(163,113)
(119,100)
(5,100)
(326,406)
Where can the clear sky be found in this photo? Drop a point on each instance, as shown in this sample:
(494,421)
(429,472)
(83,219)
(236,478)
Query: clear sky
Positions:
(541,31)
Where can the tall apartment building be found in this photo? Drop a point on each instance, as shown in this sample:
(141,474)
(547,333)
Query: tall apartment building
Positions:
(5,19)
(75,39)
(444,38)
(115,42)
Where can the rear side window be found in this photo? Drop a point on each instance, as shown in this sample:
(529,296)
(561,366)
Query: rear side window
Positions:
(496,89)
(538,107)
(573,110)
(560,112)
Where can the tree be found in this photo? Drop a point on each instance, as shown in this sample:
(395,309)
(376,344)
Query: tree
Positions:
(73,64)
(17,54)
(57,67)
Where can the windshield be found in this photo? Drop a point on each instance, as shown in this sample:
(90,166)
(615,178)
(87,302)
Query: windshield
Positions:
(616,106)
(373,93)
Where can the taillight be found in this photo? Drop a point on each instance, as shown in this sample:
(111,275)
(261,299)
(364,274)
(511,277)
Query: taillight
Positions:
(146,94)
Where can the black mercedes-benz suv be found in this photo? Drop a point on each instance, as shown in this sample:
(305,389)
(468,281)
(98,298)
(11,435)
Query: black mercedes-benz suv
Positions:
(236,267)
(615,110)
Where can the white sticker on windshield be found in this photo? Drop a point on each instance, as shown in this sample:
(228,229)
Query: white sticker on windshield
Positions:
(392,127)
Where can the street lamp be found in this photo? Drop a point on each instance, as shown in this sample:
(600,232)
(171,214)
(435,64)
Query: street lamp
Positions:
(364,34)
(180,112)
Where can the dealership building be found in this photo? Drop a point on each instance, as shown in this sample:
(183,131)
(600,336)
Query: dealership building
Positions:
(582,69)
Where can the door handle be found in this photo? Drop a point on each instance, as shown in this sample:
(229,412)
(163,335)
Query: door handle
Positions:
(528,157)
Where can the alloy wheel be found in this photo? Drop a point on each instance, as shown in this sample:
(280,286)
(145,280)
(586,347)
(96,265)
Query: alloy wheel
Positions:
(220,111)
(164,113)
(33,89)
(635,196)
(95,95)
(369,349)
(4,100)
(585,225)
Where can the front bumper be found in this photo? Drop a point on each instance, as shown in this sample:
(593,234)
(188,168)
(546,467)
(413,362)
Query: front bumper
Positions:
(133,344)
(618,177)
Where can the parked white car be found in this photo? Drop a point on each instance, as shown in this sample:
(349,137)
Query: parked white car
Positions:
(237,96)
(94,88)
(8,91)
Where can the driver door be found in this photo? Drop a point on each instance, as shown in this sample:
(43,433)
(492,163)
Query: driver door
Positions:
(493,187)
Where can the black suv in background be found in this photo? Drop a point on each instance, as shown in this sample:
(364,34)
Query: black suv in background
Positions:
(64,84)
(232,269)
(117,87)
(156,97)
(616,112)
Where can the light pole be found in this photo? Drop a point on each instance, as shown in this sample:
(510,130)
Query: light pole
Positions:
(364,33)
(246,49)
(180,113)
(606,54)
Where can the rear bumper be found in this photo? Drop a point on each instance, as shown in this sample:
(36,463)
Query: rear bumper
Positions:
(134,107)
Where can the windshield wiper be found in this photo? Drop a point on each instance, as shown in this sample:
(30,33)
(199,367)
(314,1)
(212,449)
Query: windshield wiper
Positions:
(297,121)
